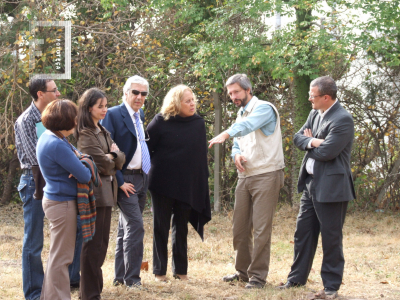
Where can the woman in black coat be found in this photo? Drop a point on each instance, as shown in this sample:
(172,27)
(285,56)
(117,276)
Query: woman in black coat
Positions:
(178,178)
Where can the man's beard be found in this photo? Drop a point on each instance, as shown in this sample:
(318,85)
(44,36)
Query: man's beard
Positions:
(243,102)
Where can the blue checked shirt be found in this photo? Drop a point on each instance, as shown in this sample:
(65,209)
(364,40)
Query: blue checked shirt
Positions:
(26,136)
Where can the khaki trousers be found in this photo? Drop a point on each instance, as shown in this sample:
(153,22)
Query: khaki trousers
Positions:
(62,217)
(255,204)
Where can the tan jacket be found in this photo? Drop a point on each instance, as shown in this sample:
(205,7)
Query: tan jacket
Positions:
(97,144)
(263,153)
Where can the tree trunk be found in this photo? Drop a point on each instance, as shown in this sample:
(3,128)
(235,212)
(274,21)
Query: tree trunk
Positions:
(294,173)
(217,153)
(301,84)
(12,169)
(301,110)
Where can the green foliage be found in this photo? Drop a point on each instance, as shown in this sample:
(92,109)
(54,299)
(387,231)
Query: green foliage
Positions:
(381,31)
(109,4)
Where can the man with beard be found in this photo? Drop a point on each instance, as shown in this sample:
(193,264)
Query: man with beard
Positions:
(258,156)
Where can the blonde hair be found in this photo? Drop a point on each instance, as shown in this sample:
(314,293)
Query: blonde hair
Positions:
(172,101)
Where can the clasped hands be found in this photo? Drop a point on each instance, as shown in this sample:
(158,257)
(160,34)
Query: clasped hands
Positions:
(115,149)
(315,142)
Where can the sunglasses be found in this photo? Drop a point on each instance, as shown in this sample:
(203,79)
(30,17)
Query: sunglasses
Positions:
(135,92)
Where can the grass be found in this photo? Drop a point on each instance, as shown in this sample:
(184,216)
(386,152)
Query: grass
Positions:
(371,246)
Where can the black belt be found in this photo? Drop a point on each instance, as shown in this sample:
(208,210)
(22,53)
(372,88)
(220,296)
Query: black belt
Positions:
(131,172)
(27,172)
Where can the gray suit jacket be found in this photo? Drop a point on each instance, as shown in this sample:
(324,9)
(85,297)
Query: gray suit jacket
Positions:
(332,173)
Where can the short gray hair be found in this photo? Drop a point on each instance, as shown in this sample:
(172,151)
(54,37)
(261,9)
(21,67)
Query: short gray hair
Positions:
(242,80)
(134,79)
(326,86)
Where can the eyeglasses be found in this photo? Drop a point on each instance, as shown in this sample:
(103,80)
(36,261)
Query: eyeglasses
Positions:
(135,92)
(312,97)
(53,91)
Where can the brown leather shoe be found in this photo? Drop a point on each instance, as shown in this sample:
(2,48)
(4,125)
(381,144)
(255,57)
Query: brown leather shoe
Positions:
(323,294)
(233,277)
(254,285)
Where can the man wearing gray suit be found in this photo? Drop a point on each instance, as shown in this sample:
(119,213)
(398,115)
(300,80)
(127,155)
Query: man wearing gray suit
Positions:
(326,183)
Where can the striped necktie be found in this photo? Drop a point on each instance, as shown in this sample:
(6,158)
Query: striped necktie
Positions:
(145,151)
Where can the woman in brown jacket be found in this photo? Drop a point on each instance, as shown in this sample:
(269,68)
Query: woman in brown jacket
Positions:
(95,140)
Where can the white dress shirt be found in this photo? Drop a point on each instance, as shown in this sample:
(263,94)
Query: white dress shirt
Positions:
(311,161)
(136,161)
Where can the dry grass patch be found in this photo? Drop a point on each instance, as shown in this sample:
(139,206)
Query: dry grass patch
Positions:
(371,245)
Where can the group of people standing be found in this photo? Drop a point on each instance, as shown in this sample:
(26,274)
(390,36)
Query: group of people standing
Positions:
(117,160)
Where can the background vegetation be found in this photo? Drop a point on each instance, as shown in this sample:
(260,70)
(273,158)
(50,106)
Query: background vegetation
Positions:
(201,44)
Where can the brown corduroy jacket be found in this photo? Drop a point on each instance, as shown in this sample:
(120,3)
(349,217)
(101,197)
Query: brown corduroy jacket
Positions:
(97,143)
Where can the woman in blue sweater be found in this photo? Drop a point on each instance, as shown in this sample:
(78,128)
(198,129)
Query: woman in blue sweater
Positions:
(61,169)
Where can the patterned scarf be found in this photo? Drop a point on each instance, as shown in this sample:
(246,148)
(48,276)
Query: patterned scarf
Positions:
(86,200)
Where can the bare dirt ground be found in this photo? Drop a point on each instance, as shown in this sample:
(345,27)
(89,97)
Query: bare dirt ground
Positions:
(371,246)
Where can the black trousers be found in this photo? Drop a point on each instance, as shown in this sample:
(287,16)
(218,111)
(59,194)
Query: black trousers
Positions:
(314,218)
(93,255)
(163,209)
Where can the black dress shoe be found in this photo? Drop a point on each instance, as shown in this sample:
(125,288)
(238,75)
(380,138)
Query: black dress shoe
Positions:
(331,294)
(136,286)
(74,285)
(176,276)
(289,285)
(117,282)
(233,277)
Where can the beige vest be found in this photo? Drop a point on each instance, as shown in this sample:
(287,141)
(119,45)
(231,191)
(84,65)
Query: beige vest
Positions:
(263,153)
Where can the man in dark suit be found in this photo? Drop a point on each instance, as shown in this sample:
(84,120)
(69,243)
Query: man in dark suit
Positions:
(326,183)
(125,123)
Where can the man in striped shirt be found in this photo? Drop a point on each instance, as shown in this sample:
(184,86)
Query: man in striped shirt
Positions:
(43,91)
